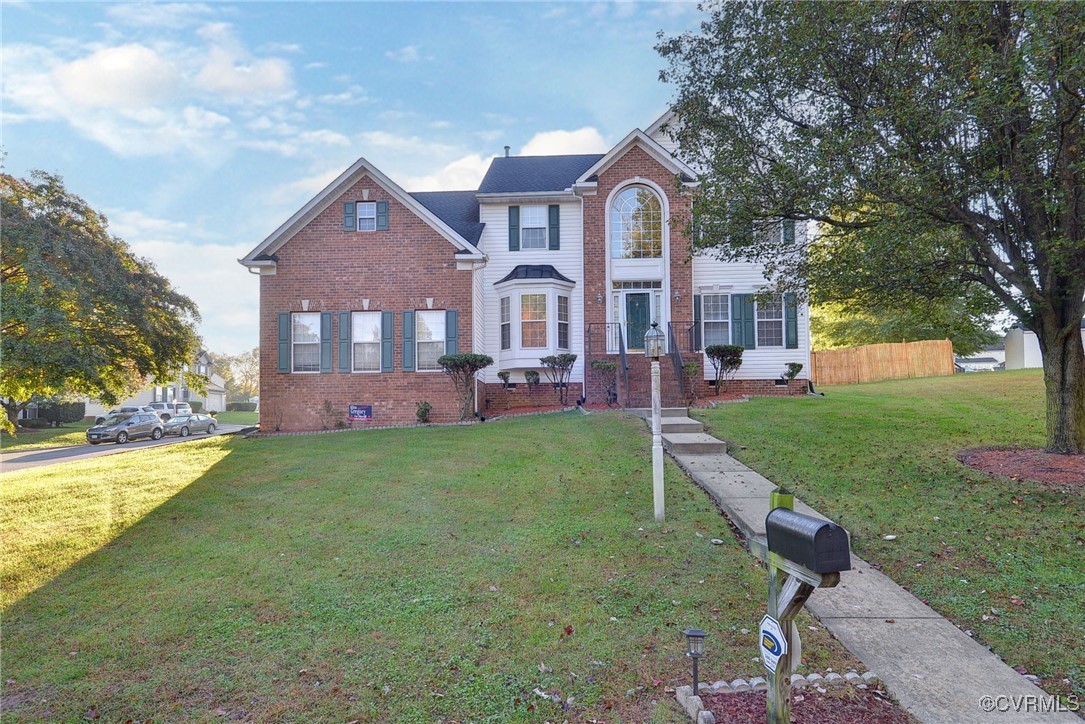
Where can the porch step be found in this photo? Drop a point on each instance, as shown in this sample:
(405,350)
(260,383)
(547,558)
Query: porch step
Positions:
(645,413)
(693,443)
(680,424)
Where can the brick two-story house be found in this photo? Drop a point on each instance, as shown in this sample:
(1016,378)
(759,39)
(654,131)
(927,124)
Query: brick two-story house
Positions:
(367,285)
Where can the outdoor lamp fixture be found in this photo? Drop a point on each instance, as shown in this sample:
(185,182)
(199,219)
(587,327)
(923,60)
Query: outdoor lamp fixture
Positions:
(653,350)
(695,650)
(653,342)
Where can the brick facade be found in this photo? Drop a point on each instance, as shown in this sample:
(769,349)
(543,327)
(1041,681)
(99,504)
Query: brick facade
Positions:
(396,270)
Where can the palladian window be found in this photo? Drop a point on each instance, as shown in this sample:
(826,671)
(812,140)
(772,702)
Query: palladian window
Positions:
(636,225)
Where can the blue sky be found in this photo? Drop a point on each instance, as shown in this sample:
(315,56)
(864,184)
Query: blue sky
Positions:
(199,128)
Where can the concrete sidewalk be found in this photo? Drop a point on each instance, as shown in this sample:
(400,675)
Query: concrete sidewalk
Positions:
(934,670)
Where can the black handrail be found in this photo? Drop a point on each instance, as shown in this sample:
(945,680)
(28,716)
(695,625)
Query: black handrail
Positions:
(676,359)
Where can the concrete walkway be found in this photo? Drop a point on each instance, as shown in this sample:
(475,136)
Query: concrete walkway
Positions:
(934,670)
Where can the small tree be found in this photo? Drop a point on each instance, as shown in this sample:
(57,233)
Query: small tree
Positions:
(792,371)
(725,359)
(329,416)
(462,368)
(504,375)
(558,369)
(421,411)
(531,377)
(692,371)
(59,412)
(608,375)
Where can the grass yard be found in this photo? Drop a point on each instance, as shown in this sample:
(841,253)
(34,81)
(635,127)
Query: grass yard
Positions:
(1002,558)
(238,418)
(391,575)
(73,433)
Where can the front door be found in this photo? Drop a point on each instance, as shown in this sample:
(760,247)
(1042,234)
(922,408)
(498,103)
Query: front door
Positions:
(637,318)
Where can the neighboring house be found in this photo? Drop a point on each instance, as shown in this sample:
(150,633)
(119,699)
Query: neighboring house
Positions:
(977,364)
(367,285)
(176,391)
(1023,349)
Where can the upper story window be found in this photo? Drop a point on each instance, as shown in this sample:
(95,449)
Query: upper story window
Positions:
(367,216)
(366,341)
(636,224)
(429,334)
(305,341)
(532,227)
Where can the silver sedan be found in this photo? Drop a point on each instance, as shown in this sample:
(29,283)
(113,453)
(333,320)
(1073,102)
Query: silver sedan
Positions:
(185,425)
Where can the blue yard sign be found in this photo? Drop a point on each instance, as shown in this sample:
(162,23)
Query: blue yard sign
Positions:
(360,413)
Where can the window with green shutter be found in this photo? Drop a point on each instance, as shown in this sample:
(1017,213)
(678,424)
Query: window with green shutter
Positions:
(514,228)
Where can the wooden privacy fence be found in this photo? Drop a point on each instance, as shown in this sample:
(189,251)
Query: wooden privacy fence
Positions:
(873,362)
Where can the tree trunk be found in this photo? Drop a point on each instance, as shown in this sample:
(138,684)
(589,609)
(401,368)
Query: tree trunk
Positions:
(1064,380)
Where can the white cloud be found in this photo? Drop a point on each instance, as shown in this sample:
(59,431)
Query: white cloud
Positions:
(160,15)
(290,196)
(460,175)
(412,145)
(126,76)
(229,70)
(583,140)
(353,95)
(406,54)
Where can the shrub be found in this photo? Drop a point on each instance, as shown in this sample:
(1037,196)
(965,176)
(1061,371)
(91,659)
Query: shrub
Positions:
(461,369)
(558,369)
(504,375)
(196,405)
(692,371)
(793,370)
(329,416)
(58,413)
(725,359)
(35,423)
(422,410)
(608,376)
(241,407)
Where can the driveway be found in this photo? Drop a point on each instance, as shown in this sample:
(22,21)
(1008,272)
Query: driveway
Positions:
(51,456)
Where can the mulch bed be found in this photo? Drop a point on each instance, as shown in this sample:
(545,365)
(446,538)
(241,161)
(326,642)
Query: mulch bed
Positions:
(1030,464)
(810,707)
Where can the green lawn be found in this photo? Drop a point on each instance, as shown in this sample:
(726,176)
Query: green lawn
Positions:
(1002,558)
(238,418)
(73,433)
(387,575)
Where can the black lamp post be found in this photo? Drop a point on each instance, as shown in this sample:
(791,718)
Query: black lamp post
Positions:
(695,650)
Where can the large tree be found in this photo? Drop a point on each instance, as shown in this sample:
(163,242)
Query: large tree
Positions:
(241,372)
(80,314)
(947,137)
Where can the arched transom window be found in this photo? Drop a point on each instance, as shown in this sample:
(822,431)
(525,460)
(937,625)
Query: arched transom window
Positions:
(636,225)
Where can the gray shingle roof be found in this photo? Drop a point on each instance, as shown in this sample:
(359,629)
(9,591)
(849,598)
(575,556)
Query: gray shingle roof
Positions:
(535,271)
(458,209)
(526,174)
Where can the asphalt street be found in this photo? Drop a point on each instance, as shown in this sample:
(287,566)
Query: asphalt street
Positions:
(10,462)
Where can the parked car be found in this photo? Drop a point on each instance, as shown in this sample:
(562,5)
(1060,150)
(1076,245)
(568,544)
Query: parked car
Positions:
(185,425)
(166,410)
(124,427)
(125,410)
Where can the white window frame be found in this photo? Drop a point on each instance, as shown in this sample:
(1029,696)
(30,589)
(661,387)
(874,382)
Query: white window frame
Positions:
(360,322)
(533,218)
(723,321)
(437,342)
(759,320)
(294,344)
(366,221)
(563,322)
(621,212)
(506,323)
(534,297)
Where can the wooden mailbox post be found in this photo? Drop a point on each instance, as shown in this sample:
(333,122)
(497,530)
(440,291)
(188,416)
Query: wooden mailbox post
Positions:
(804,553)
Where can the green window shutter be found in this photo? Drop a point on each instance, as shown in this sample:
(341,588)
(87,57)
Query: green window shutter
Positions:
(387,322)
(408,340)
(344,341)
(697,322)
(738,307)
(382,216)
(749,316)
(325,341)
(452,331)
(350,222)
(284,342)
(789,231)
(555,227)
(514,228)
(791,321)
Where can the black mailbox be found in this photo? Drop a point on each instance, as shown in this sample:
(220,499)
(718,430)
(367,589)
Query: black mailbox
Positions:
(820,545)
